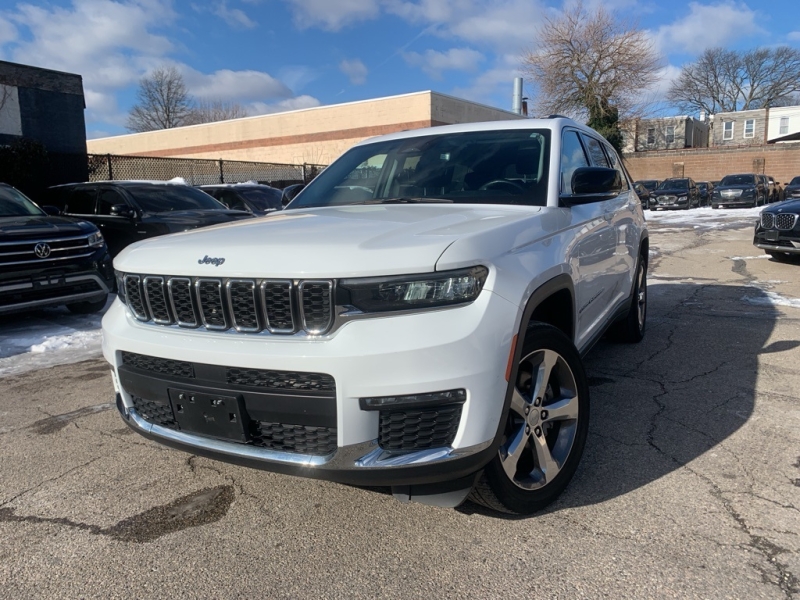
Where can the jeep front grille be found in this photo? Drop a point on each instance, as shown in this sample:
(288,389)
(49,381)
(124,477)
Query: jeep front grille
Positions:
(277,306)
(780,221)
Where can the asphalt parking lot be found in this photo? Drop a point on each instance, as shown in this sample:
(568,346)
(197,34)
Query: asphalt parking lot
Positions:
(689,486)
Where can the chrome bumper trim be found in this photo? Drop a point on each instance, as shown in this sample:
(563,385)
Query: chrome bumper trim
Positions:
(104,289)
(795,250)
(354,457)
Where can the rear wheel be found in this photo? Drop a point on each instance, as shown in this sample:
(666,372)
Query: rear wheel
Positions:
(546,427)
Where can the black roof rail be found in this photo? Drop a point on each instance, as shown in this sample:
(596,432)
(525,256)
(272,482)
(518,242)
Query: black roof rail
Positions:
(557,117)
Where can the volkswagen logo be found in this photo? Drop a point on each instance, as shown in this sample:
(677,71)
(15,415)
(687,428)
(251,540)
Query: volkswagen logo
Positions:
(42,250)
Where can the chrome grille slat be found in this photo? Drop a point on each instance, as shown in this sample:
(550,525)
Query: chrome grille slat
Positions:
(277,298)
(316,305)
(211,304)
(767,220)
(133,292)
(180,297)
(156,297)
(243,305)
(250,306)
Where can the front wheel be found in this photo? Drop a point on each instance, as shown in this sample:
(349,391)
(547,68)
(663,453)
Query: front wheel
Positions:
(545,430)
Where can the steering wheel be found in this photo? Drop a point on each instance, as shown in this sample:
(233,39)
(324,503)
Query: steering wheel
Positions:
(503,183)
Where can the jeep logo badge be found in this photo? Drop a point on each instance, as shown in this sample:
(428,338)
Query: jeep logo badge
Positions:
(42,250)
(206,260)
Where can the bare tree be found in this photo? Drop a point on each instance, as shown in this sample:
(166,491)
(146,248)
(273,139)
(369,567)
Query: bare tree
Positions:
(209,111)
(591,64)
(728,81)
(163,102)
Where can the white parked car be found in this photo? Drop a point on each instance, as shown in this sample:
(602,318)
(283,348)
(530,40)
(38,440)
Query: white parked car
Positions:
(415,318)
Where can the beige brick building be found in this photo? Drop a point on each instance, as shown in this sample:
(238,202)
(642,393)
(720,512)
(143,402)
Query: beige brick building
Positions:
(314,135)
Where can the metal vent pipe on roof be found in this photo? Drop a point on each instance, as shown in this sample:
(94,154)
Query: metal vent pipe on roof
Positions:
(516,99)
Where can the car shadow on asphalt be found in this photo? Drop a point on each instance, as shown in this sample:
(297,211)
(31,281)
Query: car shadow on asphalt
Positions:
(687,387)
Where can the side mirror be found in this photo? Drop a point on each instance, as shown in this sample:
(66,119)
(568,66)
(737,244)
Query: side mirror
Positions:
(122,210)
(291,192)
(593,184)
(51,210)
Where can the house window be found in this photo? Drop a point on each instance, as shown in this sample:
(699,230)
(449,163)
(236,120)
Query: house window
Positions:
(749,128)
(727,130)
(651,137)
(784,125)
(671,134)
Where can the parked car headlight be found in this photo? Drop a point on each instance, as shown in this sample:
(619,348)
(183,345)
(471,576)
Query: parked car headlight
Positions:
(748,193)
(383,294)
(684,197)
(96,240)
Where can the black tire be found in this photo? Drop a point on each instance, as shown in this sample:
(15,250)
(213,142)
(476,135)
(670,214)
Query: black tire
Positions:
(715,206)
(87,308)
(560,440)
(630,330)
(778,256)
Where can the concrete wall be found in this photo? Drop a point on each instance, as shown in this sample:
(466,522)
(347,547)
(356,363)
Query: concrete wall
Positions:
(315,135)
(781,161)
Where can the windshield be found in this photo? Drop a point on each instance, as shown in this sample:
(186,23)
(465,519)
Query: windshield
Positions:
(702,186)
(477,167)
(262,199)
(650,184)
(795,181)
(674,184)
(738,180)
(16,204)
(167,198)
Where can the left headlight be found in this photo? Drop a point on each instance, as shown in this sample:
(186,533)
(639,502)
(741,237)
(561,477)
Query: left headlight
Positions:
(433,290)
(96,240)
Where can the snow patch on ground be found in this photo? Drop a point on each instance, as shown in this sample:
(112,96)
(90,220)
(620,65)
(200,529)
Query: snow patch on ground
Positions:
(48,337)
(771,299)
(749,257)
(705,218)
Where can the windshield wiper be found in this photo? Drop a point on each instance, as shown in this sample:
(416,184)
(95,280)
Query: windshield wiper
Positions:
(407,201)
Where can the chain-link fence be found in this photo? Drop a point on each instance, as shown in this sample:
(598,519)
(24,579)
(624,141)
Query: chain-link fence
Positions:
(108,167)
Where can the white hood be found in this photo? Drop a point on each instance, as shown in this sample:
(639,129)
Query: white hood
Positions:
(345,241)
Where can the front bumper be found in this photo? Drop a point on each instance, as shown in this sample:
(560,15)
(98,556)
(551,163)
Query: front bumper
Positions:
(458,348)
(89,279)
(720,201)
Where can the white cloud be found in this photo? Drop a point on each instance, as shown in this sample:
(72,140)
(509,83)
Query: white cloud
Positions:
(8,33)
(434,63)
(297,103)
(794,36)
(240,86)
(234,17)
(355,70)
(708,26)
(332,14)
(485,86)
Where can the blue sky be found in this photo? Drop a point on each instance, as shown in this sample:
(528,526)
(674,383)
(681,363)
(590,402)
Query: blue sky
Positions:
(272,55)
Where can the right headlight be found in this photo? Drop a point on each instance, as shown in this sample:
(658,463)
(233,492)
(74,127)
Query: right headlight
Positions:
(408,292)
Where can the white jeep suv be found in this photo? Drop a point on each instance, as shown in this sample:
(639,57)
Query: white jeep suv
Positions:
(415,318)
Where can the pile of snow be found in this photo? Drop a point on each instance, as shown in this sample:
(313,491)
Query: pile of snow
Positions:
(705,218)
(52,336)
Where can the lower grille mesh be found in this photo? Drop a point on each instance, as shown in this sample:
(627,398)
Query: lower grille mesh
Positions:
(301,439)
(410,430)
(165,366)
(155,412)
(281,380)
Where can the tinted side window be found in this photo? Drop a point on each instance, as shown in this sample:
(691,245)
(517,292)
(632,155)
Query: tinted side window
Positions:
(81,202)
(109,198)
(572,157)
(616,163)
(595,149)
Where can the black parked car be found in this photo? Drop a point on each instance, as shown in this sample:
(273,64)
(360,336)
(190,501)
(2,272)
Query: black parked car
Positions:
(678,192)
(129,211)
(643,193)
(48,260)
(705,189)
(792,189)
(745,189)
(778,229)
(255,198)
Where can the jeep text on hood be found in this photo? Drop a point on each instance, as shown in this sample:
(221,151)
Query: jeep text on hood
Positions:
(415,318)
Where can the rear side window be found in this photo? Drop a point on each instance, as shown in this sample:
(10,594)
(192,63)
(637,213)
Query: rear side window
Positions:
(81,202)
(596,153)
(616,163)
(572,157)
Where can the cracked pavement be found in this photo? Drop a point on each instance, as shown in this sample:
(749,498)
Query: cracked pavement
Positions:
(689,486)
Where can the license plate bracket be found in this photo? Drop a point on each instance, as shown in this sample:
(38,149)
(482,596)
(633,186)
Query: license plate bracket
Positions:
(771,236)
(212,415)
